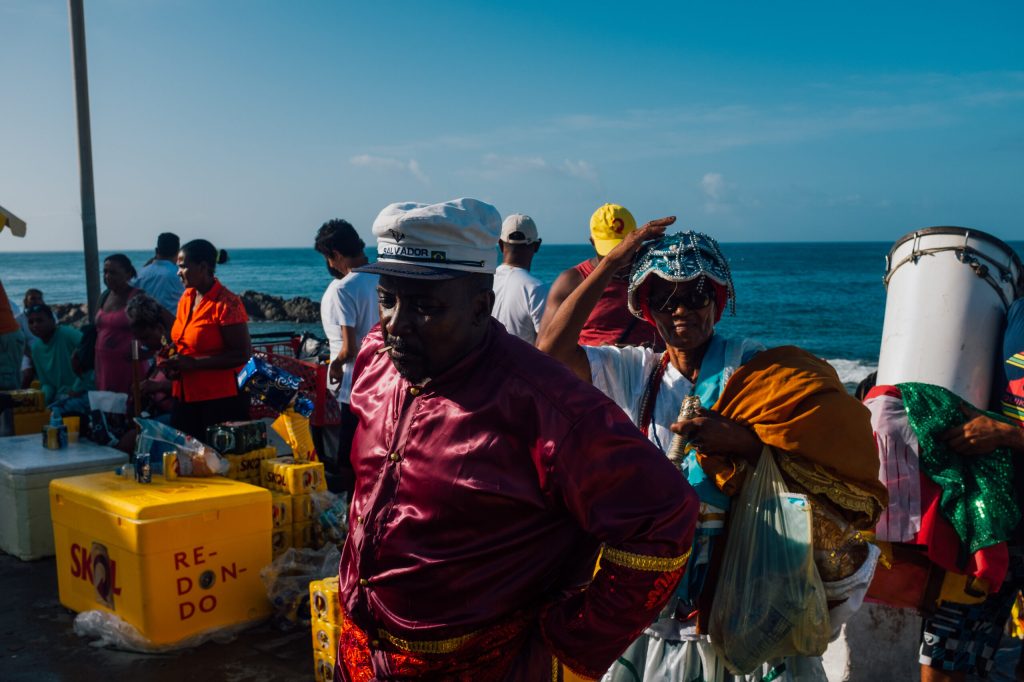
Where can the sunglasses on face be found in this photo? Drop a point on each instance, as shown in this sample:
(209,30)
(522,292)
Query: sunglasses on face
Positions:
(693,299)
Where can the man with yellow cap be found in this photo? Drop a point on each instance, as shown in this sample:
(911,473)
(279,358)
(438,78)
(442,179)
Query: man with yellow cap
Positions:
(610,323)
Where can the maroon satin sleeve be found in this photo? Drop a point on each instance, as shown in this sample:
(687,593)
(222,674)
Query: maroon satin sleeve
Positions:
(624,492)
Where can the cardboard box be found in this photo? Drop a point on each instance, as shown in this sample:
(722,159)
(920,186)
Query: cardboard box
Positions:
(172,558)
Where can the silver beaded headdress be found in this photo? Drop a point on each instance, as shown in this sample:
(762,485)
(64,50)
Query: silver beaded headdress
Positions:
(681,257)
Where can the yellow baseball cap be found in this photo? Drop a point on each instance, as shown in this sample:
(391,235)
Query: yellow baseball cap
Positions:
(608,226)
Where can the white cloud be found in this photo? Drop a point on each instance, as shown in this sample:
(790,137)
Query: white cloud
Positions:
(495,165)
(580,169)
(388,164)
(715,189)
(713,186)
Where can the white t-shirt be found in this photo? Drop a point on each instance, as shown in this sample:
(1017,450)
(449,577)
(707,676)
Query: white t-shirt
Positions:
(348,302)
(622,375)
(519,299)
(160,280)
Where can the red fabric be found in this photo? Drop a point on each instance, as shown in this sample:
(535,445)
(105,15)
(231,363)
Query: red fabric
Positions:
(508,474)
(8,323)
(939,537)
(197,333)
(611,317)
(488,656)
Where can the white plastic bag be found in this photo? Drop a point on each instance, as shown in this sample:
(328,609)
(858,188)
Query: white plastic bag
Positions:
(109,631)
(769,601)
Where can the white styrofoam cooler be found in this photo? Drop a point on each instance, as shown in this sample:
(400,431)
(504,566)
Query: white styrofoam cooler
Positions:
(948,292)
(26,469)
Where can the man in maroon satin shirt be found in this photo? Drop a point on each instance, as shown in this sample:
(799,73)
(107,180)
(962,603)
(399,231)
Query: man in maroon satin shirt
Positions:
(488,479)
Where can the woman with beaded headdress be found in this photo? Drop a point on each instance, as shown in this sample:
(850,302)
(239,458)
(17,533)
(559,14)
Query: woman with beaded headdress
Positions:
(682,284)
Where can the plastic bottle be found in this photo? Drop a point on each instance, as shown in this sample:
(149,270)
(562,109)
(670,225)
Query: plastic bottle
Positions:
(55,434)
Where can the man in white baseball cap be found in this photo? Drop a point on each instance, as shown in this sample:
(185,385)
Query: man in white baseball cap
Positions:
(519,296)
(488,477)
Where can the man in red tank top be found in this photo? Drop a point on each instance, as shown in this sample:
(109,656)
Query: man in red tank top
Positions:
(610,323)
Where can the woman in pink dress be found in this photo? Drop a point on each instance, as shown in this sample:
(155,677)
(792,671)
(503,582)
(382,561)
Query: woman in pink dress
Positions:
(113,330)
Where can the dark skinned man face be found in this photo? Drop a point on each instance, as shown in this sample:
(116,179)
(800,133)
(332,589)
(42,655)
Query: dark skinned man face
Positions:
(431,325)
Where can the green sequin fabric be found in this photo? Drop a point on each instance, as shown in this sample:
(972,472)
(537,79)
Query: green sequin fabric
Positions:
(977,492)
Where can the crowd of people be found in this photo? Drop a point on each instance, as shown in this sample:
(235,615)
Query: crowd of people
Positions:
(540,479)
(170,338)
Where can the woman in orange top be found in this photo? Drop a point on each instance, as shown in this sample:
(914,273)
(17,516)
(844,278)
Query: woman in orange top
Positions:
(211,338)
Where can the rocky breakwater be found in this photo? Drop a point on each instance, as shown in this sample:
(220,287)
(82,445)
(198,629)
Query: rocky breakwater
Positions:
(259,306)
(267,308)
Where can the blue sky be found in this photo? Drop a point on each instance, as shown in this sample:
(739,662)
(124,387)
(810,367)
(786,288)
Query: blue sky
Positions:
(251,122)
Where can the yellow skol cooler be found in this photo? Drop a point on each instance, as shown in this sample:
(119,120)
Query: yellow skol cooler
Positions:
(172,558)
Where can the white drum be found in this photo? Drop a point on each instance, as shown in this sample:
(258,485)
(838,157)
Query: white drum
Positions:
(948,292)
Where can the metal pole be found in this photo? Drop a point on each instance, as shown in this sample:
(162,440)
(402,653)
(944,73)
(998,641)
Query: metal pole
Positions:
(76,15)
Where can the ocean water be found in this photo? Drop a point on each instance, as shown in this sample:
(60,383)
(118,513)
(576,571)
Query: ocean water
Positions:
(826,297)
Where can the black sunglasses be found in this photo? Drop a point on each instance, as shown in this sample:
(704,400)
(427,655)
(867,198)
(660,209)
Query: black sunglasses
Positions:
(694,299)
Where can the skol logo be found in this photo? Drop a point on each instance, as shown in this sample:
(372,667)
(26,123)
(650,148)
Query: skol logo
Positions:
(320,604)
(249,464)
(97,568)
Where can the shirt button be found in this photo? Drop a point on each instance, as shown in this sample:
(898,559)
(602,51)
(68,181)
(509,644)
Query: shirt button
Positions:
(415,391)
(359,519)
(394,457)
(363,582)
(375,643)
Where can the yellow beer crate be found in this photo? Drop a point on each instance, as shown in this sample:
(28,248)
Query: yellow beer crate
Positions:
(173,558)
(302,508)
(325,638)
(26,400)
(324,668)
(302,535)
(281,540)
(324,604)
(30,423)
(282,509)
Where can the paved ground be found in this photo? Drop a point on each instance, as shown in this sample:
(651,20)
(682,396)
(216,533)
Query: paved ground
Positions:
(37,643)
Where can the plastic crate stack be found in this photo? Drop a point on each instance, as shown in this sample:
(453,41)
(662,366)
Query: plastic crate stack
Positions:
(325,609)
(29,408)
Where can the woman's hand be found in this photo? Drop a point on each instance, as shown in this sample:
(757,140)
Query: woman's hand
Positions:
(178,363)
(623,253)
(150,386)
(712,433)
(981,435)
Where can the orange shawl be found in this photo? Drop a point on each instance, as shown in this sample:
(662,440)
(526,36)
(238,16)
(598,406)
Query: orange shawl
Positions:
(795,403)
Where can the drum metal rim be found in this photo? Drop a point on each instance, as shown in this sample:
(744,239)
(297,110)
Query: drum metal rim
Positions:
(966,233)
